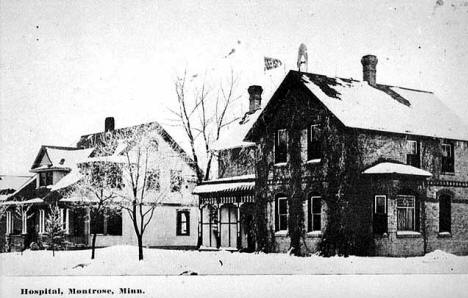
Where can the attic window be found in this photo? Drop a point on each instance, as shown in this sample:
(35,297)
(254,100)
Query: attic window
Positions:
(62,161)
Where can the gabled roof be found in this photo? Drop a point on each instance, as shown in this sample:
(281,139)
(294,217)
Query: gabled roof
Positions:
(10,183)
(57,157)
(86,140)
(385,108)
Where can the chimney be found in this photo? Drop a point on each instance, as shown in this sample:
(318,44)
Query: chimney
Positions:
(255,98)
(109,124)
(369,65)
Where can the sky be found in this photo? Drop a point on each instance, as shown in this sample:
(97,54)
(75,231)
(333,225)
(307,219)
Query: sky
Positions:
(66,65)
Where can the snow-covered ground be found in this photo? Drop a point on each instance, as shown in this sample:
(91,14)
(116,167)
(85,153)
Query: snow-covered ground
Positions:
(123,260)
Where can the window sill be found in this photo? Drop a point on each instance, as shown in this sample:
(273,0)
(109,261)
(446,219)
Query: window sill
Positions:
(282,233)
(314,234)
(408,234)
(448,173)
(281,164)
(381,235)
(183,235)
(444,235)
(313,161)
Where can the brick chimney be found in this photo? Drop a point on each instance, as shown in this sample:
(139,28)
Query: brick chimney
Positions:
(255,98)
(109,124)
(369,69)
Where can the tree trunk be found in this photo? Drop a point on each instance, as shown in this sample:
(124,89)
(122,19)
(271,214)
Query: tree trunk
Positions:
(93,246)
(140,247)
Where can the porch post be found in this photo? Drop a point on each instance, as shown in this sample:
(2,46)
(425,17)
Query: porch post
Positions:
(239,240)
(87,225)
(200,228)
(219,225)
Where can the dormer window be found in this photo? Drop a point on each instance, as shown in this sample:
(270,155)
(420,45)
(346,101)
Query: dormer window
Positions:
(281,146)
(448,160)
(46,178)
(413,157)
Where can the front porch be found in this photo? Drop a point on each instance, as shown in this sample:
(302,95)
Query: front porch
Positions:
(227,214)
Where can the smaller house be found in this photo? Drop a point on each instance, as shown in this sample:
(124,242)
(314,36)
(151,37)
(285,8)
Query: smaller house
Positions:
(170,179)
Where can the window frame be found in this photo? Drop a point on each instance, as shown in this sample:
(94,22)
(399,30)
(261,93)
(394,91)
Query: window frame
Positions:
(412,156)
(281,157)
(311,215)
(179,222)
(448,220)
(379,216)
(313,142)
(42,221)
(449,160)
(153,180)
(176,180)
(406,196)
(279,214)
(46,177)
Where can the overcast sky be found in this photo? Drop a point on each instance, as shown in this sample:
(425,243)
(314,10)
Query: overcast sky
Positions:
(66,65)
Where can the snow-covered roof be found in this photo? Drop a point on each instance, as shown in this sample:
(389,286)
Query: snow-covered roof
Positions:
(12,182)
(231,184)
(234,134)
(71,178)
(60,157)
(396,168)
(386,108)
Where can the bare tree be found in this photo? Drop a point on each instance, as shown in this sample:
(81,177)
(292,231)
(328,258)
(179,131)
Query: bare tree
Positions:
(204,114)
(132,153)
(97,190)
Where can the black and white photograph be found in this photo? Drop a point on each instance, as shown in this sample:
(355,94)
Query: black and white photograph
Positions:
(157,148)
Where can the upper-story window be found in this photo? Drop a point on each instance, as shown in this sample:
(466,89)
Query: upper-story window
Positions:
(281,146)
(314,148)
(413,157)
(152,180)
(176,180)
(448,160)
(46,178)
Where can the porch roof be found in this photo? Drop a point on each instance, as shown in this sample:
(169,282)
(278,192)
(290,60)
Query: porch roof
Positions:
(396,168)
(31,201)
(227,185)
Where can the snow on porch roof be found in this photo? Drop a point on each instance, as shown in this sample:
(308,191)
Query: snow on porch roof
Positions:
(396,168)
(238,183)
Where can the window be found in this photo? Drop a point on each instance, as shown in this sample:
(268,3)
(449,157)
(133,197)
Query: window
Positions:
(314,148)
(9,223)
(314,211)
(97,222)
(45,178)
(281,146)
(445,213)
(448,162)
(176,180)
(114,223)
(41,221)
(183,223)
(152,180)
(108,222)
(64,216)
(380,214)
(282,214)
(413,158)
(406,214)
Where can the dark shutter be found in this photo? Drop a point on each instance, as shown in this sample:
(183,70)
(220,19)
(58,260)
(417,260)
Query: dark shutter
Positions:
(187,217)
(178,219)
(276,214)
